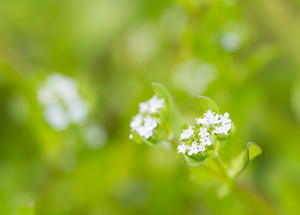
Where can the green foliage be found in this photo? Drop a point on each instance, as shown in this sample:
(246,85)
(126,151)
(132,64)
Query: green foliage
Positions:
(193,161)
(239,164)
(209,104)
(115,50)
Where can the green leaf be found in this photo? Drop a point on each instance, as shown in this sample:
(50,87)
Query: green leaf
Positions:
(173,114)
(193,161)
(209,104)
(139,139)
(239,164)
(162,92)
(26,210)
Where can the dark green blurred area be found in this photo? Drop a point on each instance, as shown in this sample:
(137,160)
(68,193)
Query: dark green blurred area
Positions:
(244,55)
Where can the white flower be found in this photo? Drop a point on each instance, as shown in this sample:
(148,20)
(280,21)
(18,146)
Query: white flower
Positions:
(186,133)
(209,114)
(137,121)
(145,132)
(223,129)
(155,104)
(215,119)
(143,126)
(224,119)
(206,141)
(203,132)
(182,148)
(212,118)
(203,121)
(152,106)
(150,122)
(144,107)
(193,149)
(211,123)
(201,148)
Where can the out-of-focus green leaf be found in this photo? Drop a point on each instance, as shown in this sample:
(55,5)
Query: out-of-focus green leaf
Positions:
(239,164)
(25,210)
(208,104)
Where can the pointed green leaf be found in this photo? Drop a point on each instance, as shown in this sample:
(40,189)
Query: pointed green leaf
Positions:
(173,114)
(209,104)
(193,161)
(253,150)
(239,164)
(162,92)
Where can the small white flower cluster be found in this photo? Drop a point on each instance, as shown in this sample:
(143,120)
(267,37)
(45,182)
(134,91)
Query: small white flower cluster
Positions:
(195,140)
(145,122)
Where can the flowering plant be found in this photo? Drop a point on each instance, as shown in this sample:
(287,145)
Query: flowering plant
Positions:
(158,120)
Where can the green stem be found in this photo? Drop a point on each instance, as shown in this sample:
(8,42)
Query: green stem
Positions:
(222,167)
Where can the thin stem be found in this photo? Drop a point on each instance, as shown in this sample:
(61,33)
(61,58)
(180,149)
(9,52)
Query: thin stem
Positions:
(219,162)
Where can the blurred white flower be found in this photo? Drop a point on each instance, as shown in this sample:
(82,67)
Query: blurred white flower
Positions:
(194,76)
(230,41)
(56,116)
(150,122)
(142,44)
(155,104)
(144,107)
(95,135)
(63,105)
(137,121)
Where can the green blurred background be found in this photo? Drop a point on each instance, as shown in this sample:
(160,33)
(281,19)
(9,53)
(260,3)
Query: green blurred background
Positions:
(243,54)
